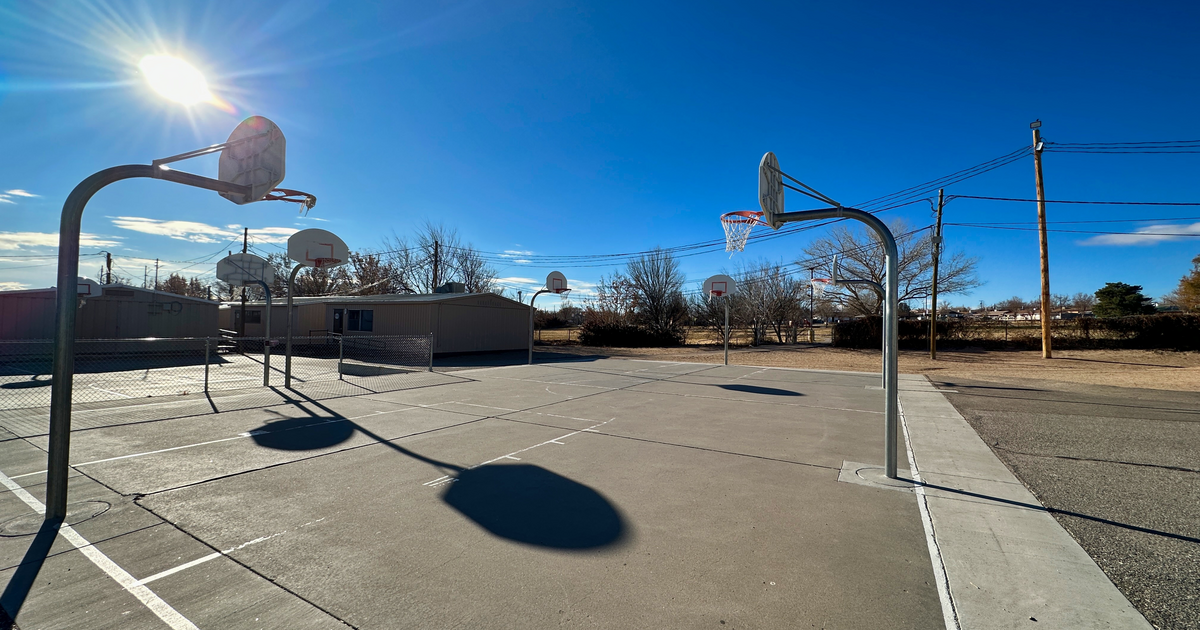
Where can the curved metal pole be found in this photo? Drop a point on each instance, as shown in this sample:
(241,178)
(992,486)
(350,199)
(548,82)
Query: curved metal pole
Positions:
(531,322)
(726,331)
(891,380)
(266,336)
(64,319)
(287,351)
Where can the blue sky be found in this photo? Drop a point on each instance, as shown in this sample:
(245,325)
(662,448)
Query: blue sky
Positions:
(574,129)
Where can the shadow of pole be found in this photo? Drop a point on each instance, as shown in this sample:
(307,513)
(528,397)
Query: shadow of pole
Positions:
(26,574)
(520,502)
(1050,510)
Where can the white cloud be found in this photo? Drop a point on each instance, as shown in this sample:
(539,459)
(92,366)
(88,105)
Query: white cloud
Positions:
(17,192)
(517,256)
(25,240)
(5,199)
(197,232)
(13,286)
(1149,235)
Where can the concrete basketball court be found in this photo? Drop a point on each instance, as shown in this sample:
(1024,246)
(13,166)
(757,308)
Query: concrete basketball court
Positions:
(606,493)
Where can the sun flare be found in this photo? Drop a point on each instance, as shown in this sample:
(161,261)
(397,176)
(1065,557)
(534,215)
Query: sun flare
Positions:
(175,79)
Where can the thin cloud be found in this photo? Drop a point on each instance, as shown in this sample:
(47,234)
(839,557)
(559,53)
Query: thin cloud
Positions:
(13,286)
(4,199)
(17,192)
(1149,235)
(517,256)
(26,240)
(197,232)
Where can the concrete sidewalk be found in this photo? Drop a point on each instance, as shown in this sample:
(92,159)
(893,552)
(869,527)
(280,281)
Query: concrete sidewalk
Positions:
(605,493)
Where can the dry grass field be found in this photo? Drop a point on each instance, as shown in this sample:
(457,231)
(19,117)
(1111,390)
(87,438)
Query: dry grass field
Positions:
(1151,369)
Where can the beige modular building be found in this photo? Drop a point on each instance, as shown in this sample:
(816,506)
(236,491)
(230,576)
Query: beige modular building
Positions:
(118,312)
(459,322)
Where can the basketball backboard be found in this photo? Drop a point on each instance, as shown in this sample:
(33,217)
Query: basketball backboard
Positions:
(317,248)
(86,287)
(557,282)
(719,285)
(254,158)
(243,269)
(770,189)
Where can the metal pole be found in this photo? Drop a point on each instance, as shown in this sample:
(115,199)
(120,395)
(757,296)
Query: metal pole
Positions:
(1042,241)
(531,301)
(726,331)
(431,351)
(64,318)
(266,337)
(206,365)
(892,290)
(937,254)
(341,355)
(287,352)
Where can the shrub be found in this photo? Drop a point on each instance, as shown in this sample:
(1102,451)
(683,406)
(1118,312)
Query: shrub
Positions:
(615,334)
(1169,331)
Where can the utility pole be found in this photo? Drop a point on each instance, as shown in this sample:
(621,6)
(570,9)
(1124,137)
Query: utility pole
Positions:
(145,275)
(108,264)
(436,263)
(242,323)
(937,251)
(811,274)
(1045,254)
(155,274)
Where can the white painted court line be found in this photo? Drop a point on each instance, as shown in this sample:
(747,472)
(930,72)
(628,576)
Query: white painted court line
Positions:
(949,614)
(239,436)
(217,554)
(108,391)
(162,609)
(445,479)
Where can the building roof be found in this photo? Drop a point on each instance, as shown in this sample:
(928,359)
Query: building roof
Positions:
(421,298)
(167,297)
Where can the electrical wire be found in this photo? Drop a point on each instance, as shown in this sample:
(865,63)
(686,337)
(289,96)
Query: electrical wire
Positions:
(1098,203)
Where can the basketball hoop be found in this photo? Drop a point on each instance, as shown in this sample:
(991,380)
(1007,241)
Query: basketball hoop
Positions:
(738,225)
(293,196)
(819,285)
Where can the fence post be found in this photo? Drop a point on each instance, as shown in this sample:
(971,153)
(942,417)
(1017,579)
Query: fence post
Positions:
(341,355)
(431,351)
(206,365)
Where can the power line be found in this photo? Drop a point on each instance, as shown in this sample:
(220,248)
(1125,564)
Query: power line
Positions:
(1004,227)
(1098,203)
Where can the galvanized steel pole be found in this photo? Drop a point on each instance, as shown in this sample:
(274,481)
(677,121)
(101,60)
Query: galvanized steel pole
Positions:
(531,322)
(891,292)
(287,351)
(266,336)
(64,319)
(726,330)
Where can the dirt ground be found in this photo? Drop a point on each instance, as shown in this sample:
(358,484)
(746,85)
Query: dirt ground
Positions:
(1151,369)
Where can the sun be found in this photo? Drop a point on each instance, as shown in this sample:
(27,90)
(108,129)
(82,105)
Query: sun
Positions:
(175,79)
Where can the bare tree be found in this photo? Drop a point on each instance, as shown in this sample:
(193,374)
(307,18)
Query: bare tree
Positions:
(435,256)
(768,298)
(1083,301)
(474,271)
(860,254)
(658,287)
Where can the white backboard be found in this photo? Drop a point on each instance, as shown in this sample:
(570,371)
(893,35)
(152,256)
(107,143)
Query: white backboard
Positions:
(317,248)
(87,287)
(243,269)
(257,161)
(720,285)
(556,282)
(770,189)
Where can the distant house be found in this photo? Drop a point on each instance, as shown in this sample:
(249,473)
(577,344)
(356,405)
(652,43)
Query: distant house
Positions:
(459,322)
(117,312)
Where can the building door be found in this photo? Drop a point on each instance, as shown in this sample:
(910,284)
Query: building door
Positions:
(337,321)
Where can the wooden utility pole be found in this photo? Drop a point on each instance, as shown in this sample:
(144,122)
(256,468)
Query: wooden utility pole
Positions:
(108,264)
(242,323)
(1045,254)
(937,251)
(155,274)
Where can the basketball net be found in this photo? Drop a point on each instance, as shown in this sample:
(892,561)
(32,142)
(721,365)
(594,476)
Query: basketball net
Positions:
(818,286)
(738,225)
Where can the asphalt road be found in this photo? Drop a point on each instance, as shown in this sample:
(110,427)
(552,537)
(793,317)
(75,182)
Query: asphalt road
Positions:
(1118,468)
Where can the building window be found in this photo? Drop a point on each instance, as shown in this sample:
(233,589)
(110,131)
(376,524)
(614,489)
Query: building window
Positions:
(363,321)
(253,317)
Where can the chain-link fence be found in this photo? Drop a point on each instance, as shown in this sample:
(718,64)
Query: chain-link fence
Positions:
(124,369)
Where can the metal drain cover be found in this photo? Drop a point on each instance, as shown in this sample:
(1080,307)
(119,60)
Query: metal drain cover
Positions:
(872,475)
(29,524)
